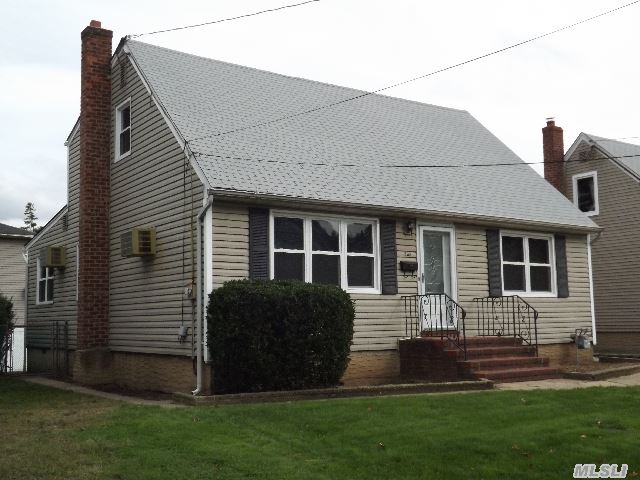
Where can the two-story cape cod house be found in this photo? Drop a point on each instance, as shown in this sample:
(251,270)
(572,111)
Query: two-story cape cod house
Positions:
(186,172)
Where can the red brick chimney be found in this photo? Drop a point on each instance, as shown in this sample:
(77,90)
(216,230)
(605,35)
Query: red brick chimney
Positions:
(553,150)
(95,158)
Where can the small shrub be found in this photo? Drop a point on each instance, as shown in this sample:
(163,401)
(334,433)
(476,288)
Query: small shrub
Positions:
(6,314)
(275,335)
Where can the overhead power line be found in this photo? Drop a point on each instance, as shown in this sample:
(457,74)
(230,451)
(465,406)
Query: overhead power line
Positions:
(404,82)
(269,10)
(403,166)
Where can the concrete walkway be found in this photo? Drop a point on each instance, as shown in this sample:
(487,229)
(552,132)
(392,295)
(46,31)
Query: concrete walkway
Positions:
(71,387)
(568,384)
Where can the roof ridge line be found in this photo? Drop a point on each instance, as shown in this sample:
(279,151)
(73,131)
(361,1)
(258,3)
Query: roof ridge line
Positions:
(318,82)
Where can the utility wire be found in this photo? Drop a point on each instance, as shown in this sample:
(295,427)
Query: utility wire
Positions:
(269,10)
(355,165)
(435,72)
(614,139)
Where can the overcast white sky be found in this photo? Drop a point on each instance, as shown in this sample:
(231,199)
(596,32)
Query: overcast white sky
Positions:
(586,77)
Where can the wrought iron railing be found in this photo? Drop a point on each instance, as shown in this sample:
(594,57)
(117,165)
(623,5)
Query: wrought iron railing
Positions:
(507,316)
(435,315)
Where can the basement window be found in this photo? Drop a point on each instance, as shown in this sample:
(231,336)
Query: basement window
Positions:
(123,130)
(585,192)
(45,284)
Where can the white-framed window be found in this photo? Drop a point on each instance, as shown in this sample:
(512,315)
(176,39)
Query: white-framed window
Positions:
(336,250)
(528,264)
(45,281)
(585,192)
(123,129)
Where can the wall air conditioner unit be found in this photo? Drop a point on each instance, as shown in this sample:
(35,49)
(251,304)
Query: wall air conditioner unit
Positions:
(53,257)
(139,242)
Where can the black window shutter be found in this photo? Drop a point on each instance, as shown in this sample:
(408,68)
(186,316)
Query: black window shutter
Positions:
(561,265)
(493,257)
(388,257)
(259,243)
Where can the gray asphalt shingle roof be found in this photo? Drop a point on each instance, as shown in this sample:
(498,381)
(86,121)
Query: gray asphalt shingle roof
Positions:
(621,152)
(340,154)
(13,231)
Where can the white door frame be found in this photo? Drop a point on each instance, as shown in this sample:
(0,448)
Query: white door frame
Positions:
(450,229)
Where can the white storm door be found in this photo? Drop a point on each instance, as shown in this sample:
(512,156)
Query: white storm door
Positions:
(436,277)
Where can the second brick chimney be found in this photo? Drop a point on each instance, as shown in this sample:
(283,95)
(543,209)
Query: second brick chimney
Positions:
(93,241)
(553,150)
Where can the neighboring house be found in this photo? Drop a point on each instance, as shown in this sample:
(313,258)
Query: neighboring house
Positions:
(602,177)
(13,268)
(12,285)
(337,195)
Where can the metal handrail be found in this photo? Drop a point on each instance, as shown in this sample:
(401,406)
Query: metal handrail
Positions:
(436,315)
(505,316)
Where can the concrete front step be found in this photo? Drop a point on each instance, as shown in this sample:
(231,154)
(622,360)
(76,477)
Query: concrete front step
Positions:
(499,351)
(502,363)
(518,374)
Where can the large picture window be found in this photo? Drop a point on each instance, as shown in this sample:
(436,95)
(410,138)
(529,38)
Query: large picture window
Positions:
(45,284)
(329,250)
(527,264)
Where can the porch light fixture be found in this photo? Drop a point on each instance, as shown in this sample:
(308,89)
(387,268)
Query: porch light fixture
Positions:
(410,227)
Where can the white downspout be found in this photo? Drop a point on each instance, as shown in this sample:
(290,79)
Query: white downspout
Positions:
(199,299)
(593,311)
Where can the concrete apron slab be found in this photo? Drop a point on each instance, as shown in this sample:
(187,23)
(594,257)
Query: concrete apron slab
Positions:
(71,387)
(568,384)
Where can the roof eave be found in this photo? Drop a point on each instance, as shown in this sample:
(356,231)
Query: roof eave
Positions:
(487,220)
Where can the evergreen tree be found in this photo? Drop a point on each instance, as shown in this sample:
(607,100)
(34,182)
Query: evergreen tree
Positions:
(30,217)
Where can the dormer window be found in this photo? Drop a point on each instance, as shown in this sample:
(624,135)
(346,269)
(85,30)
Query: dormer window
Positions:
(123,130)
(585,192)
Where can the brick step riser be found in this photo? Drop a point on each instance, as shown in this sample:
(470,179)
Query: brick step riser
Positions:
(499,364)
(477,354)
(521,375)
(492,342)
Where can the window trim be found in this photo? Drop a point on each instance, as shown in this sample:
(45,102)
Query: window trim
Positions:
(308,251)
(49,275)
(118,125)
(596,200)
(527,264)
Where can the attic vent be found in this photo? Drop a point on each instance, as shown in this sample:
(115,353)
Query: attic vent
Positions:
(53,257)
(139,242)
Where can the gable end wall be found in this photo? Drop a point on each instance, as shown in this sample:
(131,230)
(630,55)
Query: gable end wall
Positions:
(616,252)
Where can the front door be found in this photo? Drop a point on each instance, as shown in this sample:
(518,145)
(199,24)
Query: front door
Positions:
(436,278)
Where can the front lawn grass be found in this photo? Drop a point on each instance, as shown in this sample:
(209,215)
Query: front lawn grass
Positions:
(50,434)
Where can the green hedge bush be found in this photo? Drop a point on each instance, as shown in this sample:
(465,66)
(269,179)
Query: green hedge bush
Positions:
(276,335)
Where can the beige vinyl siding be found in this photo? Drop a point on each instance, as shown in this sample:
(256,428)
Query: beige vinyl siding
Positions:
(40,318)
(64,307)
(12,275)
(616,252)
(380,319)
(152,187)
(230,243)
(559,317)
